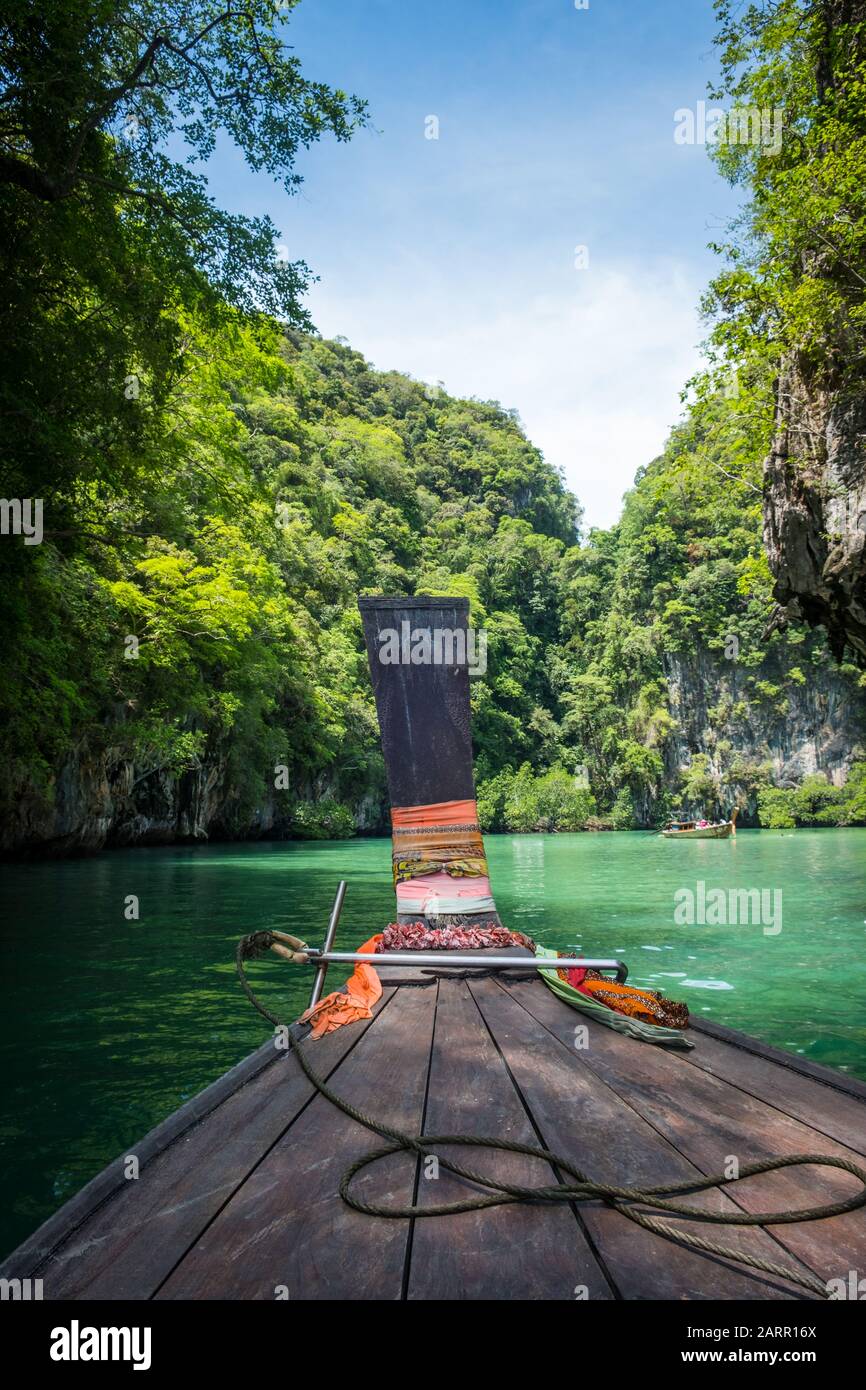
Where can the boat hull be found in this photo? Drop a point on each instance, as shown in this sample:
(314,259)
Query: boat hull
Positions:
(237,1196)
(709,832)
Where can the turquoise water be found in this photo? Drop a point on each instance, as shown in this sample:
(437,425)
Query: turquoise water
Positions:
(108,1024)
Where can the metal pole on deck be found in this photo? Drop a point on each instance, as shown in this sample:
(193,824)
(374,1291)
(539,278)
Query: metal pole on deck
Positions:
(462,959)
(322,966)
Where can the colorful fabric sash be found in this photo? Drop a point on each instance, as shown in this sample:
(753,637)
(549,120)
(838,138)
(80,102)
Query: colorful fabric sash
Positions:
(440,895)
(447,813)
(432,846)
(646,1004)
(608,1005)
(404,869)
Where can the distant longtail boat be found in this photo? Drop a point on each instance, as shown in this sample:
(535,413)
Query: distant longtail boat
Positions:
(701,830)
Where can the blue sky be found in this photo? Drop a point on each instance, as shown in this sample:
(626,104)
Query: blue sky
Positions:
(453,259)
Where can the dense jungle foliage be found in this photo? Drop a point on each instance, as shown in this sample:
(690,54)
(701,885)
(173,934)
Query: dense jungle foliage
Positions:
(794,282)
(229,631)
(220,484)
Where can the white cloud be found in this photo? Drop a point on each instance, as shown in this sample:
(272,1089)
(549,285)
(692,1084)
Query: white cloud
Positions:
(594,365)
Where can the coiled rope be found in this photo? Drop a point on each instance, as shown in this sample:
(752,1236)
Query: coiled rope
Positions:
(582,1189)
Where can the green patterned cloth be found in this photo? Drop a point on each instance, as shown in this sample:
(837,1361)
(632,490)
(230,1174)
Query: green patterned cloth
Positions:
(621,1023)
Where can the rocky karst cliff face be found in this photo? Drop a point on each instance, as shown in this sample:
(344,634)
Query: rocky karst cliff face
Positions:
(779,733)
(815,473)
(103,799)
(815,510)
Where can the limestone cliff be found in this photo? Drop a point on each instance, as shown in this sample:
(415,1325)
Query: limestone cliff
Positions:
(815,510)
(780,732)
(102,799)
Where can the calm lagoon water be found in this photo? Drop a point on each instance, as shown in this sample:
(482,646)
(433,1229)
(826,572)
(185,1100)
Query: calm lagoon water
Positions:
(108,1025)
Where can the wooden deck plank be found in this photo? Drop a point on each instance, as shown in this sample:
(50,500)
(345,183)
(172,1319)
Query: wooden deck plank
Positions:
(29,1256)
(834,1113)
(583,1118)
(130,1244)
(791,1061)
(238,1191)
(709,1120)
(508,1252)
(286,1227)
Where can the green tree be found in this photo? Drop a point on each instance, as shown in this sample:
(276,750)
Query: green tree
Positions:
(776,809)
(110,239)
(855,796)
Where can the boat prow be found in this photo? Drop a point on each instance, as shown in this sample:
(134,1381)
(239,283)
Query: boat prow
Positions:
(237,1194)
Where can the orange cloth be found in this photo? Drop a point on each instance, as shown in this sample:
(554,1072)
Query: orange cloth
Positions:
(444,842)
(643,1004)
(362,990)
(440,813)
(446,831)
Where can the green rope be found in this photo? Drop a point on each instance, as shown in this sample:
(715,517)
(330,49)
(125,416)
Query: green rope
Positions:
(582,1189)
